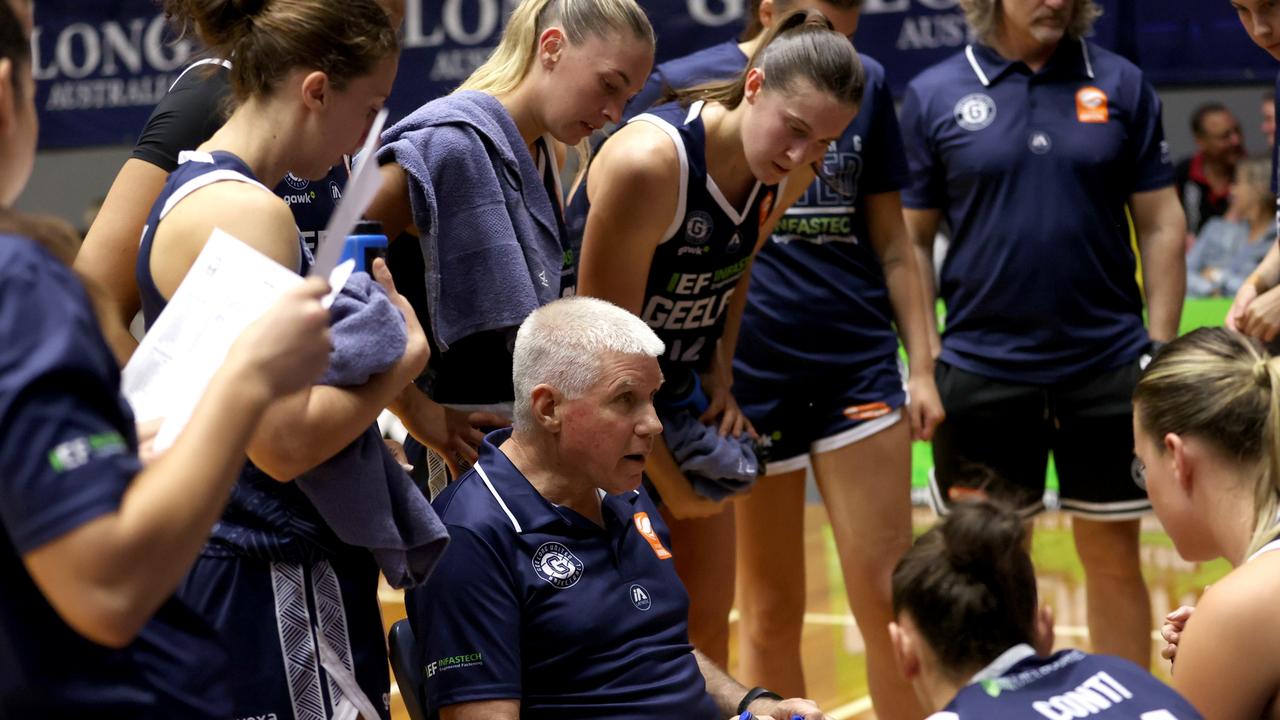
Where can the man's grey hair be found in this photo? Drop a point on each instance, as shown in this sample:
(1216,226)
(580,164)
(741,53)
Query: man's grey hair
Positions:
(561,345)
(984,17)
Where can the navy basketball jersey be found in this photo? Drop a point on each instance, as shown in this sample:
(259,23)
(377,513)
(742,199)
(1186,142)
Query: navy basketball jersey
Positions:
(703,252)
(819,268)
(1068,684)
(313,201)
(265,518)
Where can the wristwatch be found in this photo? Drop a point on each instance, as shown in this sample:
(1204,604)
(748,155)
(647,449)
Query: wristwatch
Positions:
(754,694)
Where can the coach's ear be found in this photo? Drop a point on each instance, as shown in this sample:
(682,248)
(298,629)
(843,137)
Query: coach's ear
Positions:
(546,403)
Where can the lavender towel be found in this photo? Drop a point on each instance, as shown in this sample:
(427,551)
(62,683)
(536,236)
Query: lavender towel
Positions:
(717,467)
(490,240)
(362,492)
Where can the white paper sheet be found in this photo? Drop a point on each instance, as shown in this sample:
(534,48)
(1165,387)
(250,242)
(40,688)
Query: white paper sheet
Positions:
(361,187)
(229,286)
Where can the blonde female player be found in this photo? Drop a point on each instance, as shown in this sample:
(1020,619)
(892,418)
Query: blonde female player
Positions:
(672,211)
(274,580)
(472,180)
(1206,421)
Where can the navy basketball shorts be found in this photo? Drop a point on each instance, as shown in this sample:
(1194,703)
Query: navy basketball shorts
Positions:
(803,416)
(997,437)
(305,640)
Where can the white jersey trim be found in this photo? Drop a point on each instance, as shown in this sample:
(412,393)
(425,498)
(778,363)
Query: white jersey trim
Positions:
(494,491)
(1273,545)
(973,62)
(207,61)
(682,199)
(194,184)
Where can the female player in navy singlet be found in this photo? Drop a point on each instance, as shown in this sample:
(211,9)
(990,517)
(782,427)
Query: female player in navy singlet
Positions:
(1206,424)
(969,635)
(471,186)
(670,215)
(308,78)
(192,109)
(93,538)
(817,372)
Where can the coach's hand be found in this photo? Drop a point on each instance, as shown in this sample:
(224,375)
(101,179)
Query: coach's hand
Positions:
(1245,295)
(787,709)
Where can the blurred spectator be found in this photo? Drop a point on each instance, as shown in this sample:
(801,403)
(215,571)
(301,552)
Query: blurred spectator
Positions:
(1230,247)
(1204,179)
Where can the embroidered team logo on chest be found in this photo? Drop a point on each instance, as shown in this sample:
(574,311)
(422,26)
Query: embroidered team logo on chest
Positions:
(975,111)
(554,563)
(296,182)
(698,228)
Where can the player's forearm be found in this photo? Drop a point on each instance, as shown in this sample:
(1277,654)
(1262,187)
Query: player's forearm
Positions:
(169,508)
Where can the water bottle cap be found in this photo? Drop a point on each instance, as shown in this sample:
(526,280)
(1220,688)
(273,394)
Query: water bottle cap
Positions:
(368,227)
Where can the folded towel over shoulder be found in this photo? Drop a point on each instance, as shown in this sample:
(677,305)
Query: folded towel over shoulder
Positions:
(490,239)
(362,492)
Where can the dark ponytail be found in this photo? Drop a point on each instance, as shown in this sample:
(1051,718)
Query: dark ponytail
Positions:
(270,38)
(801,46)
(969,587)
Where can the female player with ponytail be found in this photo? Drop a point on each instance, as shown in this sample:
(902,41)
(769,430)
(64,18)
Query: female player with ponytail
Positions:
(670,215)
(1206,417)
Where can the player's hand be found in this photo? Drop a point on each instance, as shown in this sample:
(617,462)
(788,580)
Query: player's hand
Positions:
(722,404)
(1261,317)
(416,350)
(925,407)
(396,448)
(1174,623)
(1245,295)
(147,432)
(288,347)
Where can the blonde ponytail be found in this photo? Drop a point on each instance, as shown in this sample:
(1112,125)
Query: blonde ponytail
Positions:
(509,63)
(1221,387)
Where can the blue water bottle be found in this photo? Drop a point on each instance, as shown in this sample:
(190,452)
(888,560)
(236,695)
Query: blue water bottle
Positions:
(365,244)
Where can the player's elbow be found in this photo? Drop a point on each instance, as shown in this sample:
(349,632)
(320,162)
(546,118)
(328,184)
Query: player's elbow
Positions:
(106,616)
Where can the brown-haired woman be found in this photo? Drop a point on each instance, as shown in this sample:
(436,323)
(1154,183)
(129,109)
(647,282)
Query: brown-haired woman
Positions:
(296,607)
(672,211)
(970,637)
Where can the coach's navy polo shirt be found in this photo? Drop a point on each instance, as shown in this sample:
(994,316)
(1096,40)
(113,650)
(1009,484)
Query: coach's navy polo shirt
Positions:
(67,455)
(1032,171)
(534,602)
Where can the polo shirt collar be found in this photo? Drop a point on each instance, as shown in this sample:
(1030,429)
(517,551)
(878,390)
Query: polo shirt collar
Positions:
(523,505)
(1071,56)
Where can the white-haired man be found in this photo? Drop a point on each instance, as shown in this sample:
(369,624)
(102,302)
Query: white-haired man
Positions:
(557,598)
(1042,150)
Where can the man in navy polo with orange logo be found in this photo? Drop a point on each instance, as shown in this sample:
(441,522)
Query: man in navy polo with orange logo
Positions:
(1045,155)
(557,598)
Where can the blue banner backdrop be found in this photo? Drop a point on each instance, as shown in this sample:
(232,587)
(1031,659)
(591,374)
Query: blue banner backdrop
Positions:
(102,65)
